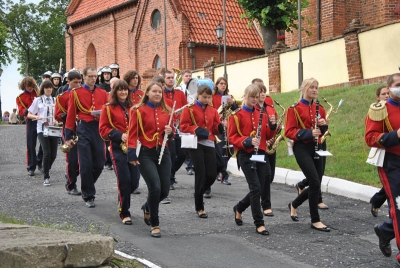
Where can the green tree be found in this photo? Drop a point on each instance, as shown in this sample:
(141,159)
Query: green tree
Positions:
(272,15)
(36,34)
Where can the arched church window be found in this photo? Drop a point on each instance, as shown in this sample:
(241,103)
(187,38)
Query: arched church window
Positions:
(155,19)
(157,63)
(91,55)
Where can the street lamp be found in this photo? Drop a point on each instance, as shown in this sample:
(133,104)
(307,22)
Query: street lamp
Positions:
(220,32)
(191,45)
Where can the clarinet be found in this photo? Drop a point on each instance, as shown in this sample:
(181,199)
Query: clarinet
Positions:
(316,156)
(166,135)
(258,133)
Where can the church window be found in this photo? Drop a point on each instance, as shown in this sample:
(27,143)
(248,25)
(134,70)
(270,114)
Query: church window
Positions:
(157,63)
(155,19)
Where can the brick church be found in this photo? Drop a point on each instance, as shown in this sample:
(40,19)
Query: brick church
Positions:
(131,33)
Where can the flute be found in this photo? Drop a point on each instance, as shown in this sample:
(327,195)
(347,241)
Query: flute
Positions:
(166,135)
(316,156)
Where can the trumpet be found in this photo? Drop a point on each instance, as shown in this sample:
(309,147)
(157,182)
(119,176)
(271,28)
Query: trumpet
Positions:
(331,110)
(124,147)
(278,136)
(65,148)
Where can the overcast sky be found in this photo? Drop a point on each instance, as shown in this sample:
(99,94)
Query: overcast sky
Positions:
(9,81)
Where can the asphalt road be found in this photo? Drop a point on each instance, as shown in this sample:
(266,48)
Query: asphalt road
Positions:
(188,241)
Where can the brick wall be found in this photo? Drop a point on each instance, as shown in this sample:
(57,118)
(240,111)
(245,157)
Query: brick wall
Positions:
(337,14)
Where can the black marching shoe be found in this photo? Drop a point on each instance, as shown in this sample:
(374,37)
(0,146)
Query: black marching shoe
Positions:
(384,245)
(263,232)
(294,218)
(238,221)
(374,211)
(322,229)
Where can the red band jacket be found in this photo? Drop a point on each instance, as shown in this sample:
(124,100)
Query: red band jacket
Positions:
(383,133)
(114,121)
(24,100)
(300,121)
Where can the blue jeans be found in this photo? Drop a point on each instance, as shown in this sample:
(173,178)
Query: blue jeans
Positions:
(157,178)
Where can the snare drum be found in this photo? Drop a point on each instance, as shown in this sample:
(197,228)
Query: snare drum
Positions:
(52,131)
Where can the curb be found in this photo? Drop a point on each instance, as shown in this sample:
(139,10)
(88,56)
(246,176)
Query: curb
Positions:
(142,261)
(328,185)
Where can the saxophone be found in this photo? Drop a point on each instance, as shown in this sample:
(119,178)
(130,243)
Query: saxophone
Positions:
(331,110)
(271,149)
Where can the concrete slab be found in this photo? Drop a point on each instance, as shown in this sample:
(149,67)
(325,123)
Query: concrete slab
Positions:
(28,246)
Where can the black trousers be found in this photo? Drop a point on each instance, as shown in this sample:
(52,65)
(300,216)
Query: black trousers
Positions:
(255,179)
(178,156)
(127,179)
(390,178)
(31,139)
(313,170)
(91,154)
(378,198)
(156,177)
(203,159)
(49,145)
(266,190)
(223,155)
(304,183)
(72,167)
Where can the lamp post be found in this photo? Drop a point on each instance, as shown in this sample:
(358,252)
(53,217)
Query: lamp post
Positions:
(220,32)
(191,45)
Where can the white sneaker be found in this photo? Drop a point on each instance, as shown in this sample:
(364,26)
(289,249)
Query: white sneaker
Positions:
(166,201)
(46,182)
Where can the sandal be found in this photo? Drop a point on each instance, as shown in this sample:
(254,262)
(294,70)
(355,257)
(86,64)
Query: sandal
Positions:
(146,215)
(155,232)
(127,221)
(202,214)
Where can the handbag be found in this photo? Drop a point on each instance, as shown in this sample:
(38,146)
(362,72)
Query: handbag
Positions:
(376,156)
(188,141)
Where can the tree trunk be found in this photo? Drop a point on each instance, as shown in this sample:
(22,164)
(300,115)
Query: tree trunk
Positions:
(269,37)
(27,58)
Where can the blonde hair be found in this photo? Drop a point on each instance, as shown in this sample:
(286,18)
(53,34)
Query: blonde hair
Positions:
(306,85)
(252,90)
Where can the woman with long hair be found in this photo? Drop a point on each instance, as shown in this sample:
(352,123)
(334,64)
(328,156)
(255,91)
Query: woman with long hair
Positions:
(305,124)
(42,111)
(148,125)
(248,130)
(114,127)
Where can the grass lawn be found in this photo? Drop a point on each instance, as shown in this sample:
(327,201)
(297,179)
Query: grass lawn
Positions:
(347,128)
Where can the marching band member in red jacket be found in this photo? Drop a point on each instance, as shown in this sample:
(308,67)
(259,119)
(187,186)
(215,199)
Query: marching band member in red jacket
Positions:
(132,78)
(382,130)
(243,128)
(24,101)
(300,126)
(83,105)
(148,124)
(61,108)
(114,126)
(202,120)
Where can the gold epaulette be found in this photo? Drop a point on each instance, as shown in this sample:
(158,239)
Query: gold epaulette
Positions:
(294,104)
(378,111)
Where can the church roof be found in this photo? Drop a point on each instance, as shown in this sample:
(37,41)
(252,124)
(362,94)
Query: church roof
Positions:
(204,16)
(80,9)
